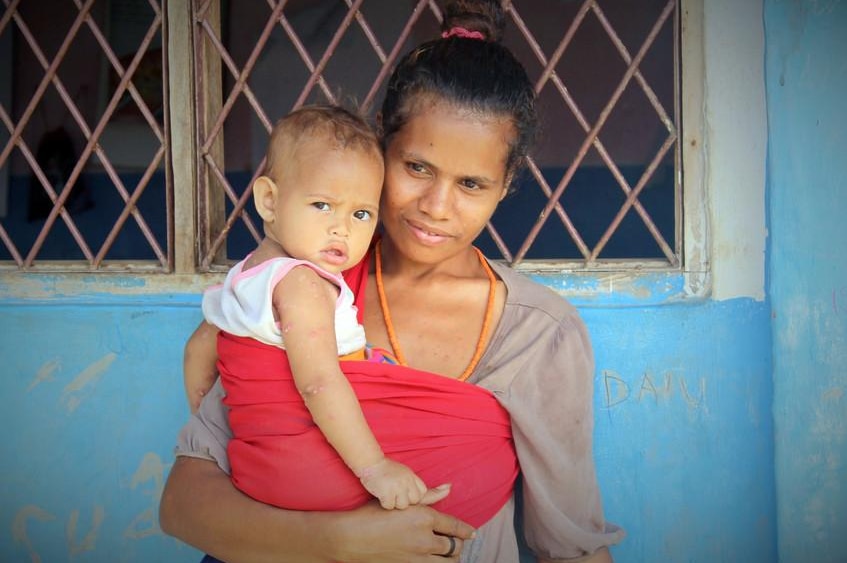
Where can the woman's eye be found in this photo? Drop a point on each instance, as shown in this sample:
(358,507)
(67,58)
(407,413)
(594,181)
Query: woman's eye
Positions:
(321,205)
(362,215)
(416,168)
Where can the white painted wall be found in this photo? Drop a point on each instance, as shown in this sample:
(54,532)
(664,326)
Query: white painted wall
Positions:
(736,146)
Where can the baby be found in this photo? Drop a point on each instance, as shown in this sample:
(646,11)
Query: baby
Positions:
(319,200)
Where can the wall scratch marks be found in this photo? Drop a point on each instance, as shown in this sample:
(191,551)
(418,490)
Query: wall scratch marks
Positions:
(618,389)
(45,373)
(82,384)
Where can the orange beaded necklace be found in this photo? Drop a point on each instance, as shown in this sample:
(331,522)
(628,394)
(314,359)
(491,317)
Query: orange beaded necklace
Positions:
(486,323)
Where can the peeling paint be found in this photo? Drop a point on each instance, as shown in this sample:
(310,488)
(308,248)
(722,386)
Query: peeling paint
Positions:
(82,384)
(104,287)
(45,373)
(834,394)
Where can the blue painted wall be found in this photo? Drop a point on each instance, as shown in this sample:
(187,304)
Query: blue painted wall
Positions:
(91,405)
(684,430)
(94,397)
(807,182)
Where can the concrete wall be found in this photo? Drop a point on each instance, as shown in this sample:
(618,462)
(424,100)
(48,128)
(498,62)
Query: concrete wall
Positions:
(92,399)
(684,388)
(806,84)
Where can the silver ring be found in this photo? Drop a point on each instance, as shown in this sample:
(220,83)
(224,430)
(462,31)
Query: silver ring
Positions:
(452,547)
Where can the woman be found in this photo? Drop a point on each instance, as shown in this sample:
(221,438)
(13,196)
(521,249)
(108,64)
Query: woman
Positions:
(457,122)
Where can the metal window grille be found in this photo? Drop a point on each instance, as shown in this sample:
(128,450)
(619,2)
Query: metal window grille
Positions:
(72,201)
(318,68)
(583,200)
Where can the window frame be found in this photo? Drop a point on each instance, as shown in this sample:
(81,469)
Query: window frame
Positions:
(622,281)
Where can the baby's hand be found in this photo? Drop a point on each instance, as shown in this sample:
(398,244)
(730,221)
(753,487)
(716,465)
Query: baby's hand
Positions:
(394,484)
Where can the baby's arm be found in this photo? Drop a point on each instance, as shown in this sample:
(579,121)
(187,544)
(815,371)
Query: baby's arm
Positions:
(305,305)
(199,370)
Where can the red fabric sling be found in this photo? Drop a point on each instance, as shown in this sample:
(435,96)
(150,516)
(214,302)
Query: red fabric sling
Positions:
(447,431)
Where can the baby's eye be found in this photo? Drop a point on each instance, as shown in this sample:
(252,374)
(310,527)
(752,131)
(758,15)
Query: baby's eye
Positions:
(321,205)
(362,215)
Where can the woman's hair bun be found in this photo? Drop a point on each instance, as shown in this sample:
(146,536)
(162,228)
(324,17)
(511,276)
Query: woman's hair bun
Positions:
(484,16)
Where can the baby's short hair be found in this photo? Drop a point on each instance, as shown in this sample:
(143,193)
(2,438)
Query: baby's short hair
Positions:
(340,128)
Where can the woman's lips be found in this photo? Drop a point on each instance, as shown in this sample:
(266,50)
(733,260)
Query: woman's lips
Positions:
(426,234)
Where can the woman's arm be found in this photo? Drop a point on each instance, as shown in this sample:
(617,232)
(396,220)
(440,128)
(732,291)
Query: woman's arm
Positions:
(551,407)
(201,507)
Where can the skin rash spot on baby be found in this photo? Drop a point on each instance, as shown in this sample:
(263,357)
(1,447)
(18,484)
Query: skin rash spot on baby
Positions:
(311,390)
(320,332)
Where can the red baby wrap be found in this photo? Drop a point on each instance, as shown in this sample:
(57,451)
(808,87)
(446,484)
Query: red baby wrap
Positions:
(446,430)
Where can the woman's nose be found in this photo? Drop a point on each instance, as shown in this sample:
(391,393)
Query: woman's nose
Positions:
(435,201)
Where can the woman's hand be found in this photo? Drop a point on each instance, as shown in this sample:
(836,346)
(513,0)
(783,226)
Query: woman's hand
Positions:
(416,534)
(202,507)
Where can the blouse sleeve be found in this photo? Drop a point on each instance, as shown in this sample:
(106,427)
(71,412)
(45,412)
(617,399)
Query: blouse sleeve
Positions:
(552,422)
(207,432)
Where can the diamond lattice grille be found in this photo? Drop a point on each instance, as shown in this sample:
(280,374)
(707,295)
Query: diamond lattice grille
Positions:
(312,42)
(87,76)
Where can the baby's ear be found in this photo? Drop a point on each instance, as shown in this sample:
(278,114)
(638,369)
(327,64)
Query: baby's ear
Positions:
(264,197)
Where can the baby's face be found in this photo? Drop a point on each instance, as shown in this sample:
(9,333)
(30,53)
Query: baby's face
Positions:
(327,204)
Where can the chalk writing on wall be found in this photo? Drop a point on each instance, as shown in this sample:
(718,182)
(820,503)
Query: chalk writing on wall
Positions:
(19,533)
(146,523)
(33,512)
(89,541)
(150,471)
(657,388)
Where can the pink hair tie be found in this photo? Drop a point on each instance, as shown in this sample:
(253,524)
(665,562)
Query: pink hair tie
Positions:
(462,32)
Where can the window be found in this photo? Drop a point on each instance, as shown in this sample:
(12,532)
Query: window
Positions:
(603,192)
(84,160)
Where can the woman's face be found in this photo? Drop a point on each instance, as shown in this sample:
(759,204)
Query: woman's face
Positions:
(445,173)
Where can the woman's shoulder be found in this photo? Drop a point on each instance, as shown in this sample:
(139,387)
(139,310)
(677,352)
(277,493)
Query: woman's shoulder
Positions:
(534,298)
(540,337)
